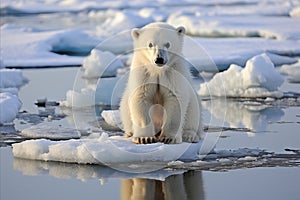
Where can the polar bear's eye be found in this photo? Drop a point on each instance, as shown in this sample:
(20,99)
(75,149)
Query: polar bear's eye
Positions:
(167,45)
(150,45)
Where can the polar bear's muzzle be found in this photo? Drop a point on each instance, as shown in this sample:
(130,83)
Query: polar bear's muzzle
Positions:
(161,58)
(160,61)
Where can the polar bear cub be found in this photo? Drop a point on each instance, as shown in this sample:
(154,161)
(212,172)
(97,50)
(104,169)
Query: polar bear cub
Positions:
(159,103)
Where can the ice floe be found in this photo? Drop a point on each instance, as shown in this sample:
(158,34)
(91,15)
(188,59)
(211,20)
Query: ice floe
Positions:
(100,84)
(220,50)
(41,48)
(27,6)
(115,21)
(37,47)
(10,105)
(10,82)
(258,79)
(122,155)
(107,91)
(260,8)
(101,64)
(295,12)
(293,71)
(12,78)
(278,27)
(104,150)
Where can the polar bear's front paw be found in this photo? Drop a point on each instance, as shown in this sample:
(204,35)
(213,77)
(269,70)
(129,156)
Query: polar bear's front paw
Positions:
(168,140)
(144,140)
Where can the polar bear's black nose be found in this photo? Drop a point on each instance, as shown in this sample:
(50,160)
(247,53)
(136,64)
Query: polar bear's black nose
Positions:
(160,61)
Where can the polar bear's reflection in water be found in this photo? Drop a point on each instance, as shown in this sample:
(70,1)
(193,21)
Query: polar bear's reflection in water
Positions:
(187,186)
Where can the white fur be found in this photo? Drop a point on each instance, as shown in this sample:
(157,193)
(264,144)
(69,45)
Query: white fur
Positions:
(160,98)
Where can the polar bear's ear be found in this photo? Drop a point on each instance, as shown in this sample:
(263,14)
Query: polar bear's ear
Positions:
(180,30)
(135,33)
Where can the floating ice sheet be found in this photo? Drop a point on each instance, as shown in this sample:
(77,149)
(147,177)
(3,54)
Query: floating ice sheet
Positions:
(293,71)
(104,150)
(101,64)
(226,51)
(104,91)
(11,78)
(10,105)
(36,48)
(279,27)
(10,82)
(258,79)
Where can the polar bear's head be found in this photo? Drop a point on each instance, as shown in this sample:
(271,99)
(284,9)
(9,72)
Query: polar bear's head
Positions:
(159,43)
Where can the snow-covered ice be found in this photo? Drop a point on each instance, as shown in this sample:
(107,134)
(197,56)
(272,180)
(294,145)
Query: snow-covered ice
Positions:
(10,105)
(101,64)
(27,6)
(10,82)
(278,27)
(271,7)
(295,12)
(114,21)
(104,150)
(96,83)
(50,132)
(40,45)
(37,47)
(11,90)
(102,91)
(223,54)
(12,78)
(293,71)
(258,79)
